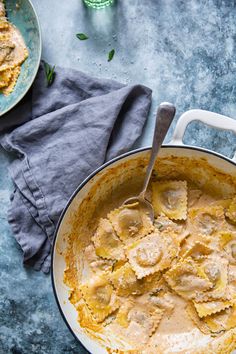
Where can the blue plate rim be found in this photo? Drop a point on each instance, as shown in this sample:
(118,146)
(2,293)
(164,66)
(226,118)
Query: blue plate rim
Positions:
(37,66)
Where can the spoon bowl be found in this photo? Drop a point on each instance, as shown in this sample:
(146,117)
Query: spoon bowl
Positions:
(143,202)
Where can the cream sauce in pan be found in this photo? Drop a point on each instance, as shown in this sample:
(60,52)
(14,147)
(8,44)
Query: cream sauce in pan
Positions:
(167,287)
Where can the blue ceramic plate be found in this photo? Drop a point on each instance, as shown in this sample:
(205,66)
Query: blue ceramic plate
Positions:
(26,20)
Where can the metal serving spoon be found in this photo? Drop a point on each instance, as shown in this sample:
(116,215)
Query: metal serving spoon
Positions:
(164,117)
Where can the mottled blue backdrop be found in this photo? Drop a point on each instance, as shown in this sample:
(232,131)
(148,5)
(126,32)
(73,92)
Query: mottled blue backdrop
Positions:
(185,51)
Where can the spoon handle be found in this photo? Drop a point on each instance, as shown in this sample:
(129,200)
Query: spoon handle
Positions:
(164,117)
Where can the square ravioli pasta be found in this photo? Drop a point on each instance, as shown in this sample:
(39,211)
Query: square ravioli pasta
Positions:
(126,283)
(227,243)
(165,225)
(211,307)
(170,198)
(216,322)
(99,296)
(216,270)
(206,221)
(130,222)
(152,253)
(187,279)
(140,314)
(95,264)
(107,244)
(197,250)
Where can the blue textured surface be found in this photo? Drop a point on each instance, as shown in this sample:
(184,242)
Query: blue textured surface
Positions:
(24,18)
(185,51)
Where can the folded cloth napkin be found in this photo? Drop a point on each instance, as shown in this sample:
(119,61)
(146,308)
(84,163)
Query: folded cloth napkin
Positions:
(59,135)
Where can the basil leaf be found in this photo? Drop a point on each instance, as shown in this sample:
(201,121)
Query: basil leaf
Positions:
(82,36)
(111,55)
(49,73)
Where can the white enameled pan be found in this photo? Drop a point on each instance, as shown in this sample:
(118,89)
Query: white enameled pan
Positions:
(175,148)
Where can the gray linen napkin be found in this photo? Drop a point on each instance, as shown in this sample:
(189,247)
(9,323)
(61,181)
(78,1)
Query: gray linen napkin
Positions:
(59,135)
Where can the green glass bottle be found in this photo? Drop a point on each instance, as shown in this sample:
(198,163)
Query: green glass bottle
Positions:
(98,4)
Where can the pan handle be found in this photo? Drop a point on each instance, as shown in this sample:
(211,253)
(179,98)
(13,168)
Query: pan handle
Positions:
(211,119)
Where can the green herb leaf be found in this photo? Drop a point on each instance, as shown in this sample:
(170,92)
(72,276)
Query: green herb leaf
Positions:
(111,55)
(82,36)
(49,73)
(160,226)
(113,266)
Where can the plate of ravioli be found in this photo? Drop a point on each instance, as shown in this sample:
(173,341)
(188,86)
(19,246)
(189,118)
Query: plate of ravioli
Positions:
(125,284)
(20,51)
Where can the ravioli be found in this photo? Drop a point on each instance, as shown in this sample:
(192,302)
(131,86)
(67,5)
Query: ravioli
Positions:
(198,250)
(126,282)
(165,225)
(4,25)
(216,270)
(151,254)
(187,279)
(13,52)
(107,244)
(95,263)
(170,198)
(99,296)
(6,47)
(222,321)
(5,77)
(130,222)
(16,51)
(15,72)
(199,322)
(216,322)
(200,242)
(231,251)
(211,307)
(140,314)
(206,221)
